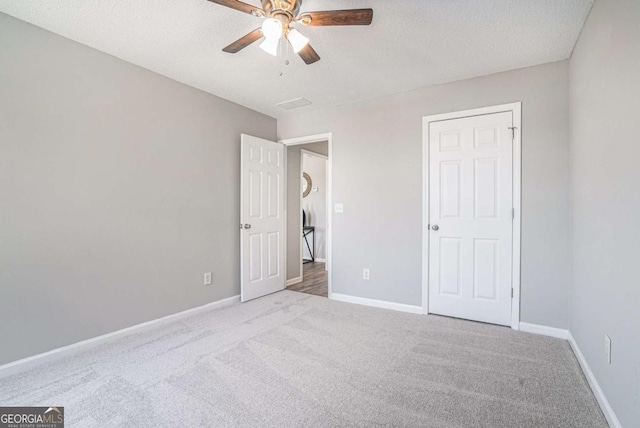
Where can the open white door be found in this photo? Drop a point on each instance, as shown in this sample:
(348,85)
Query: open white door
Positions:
(261,217)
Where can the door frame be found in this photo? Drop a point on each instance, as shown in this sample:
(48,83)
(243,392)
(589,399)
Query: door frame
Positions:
(328,137)
(516,110)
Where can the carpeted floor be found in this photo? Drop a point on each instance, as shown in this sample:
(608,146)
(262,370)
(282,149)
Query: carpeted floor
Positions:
(293,359)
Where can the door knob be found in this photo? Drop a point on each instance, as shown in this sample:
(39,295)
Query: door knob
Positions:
(435,227)
(247,226)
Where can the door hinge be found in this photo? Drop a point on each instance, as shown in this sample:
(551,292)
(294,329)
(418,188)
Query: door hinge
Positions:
(513,132)
(513,213)
(512,293)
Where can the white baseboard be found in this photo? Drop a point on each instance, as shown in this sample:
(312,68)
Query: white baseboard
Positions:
(294,281)
(35,360)
(319,260)
(612,419)
(376,303)
(544,330)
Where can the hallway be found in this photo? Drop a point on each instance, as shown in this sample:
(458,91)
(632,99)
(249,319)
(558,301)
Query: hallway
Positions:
(315,280)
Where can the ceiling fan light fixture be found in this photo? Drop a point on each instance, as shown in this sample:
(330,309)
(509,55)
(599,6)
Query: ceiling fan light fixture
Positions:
(270,46)
(272,29)
(297,40)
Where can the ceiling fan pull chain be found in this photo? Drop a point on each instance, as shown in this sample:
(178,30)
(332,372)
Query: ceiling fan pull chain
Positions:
(285,61)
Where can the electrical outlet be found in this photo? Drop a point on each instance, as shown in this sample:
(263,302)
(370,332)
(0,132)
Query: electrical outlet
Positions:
(637,385)
(607,348)
(207,278)
(366,275)
(339,208)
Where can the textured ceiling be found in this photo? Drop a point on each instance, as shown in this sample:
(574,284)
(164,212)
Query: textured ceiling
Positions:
(411,44)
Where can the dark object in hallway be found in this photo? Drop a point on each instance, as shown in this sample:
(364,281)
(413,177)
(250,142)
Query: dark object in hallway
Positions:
(306,231)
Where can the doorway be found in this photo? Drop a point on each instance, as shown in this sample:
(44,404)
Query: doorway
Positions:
(471,215)
(308,218)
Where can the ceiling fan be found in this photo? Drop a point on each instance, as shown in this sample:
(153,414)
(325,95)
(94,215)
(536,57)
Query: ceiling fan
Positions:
(280,14)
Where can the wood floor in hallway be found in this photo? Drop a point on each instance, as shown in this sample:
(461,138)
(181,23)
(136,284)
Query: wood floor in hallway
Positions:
(315,280)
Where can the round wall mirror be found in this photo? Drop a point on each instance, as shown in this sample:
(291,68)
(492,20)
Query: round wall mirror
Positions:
(306,184)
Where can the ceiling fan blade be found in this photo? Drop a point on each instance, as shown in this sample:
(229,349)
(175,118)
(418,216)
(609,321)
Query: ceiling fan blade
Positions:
(309,55)
(337,17)
(242,7)
(243,42)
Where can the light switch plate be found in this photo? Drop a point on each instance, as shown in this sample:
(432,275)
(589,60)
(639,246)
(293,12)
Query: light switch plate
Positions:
(207,278)
(339,208)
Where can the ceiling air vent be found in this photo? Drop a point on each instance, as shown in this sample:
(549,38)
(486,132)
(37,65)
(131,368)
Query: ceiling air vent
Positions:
(291,104)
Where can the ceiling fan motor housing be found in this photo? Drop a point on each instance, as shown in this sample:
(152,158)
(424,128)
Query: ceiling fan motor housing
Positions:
(283,10)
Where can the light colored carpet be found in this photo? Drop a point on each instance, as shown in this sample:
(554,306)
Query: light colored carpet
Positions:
(292,359)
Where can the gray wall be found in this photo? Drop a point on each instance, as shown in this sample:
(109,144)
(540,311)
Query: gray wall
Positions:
(377,173)
(605,180)
(294,212)
(119,189)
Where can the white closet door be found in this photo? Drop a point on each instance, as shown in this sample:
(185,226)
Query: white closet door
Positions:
(471,203)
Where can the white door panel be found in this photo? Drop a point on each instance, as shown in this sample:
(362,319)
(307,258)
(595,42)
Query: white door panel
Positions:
(261,217)
(471,202)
